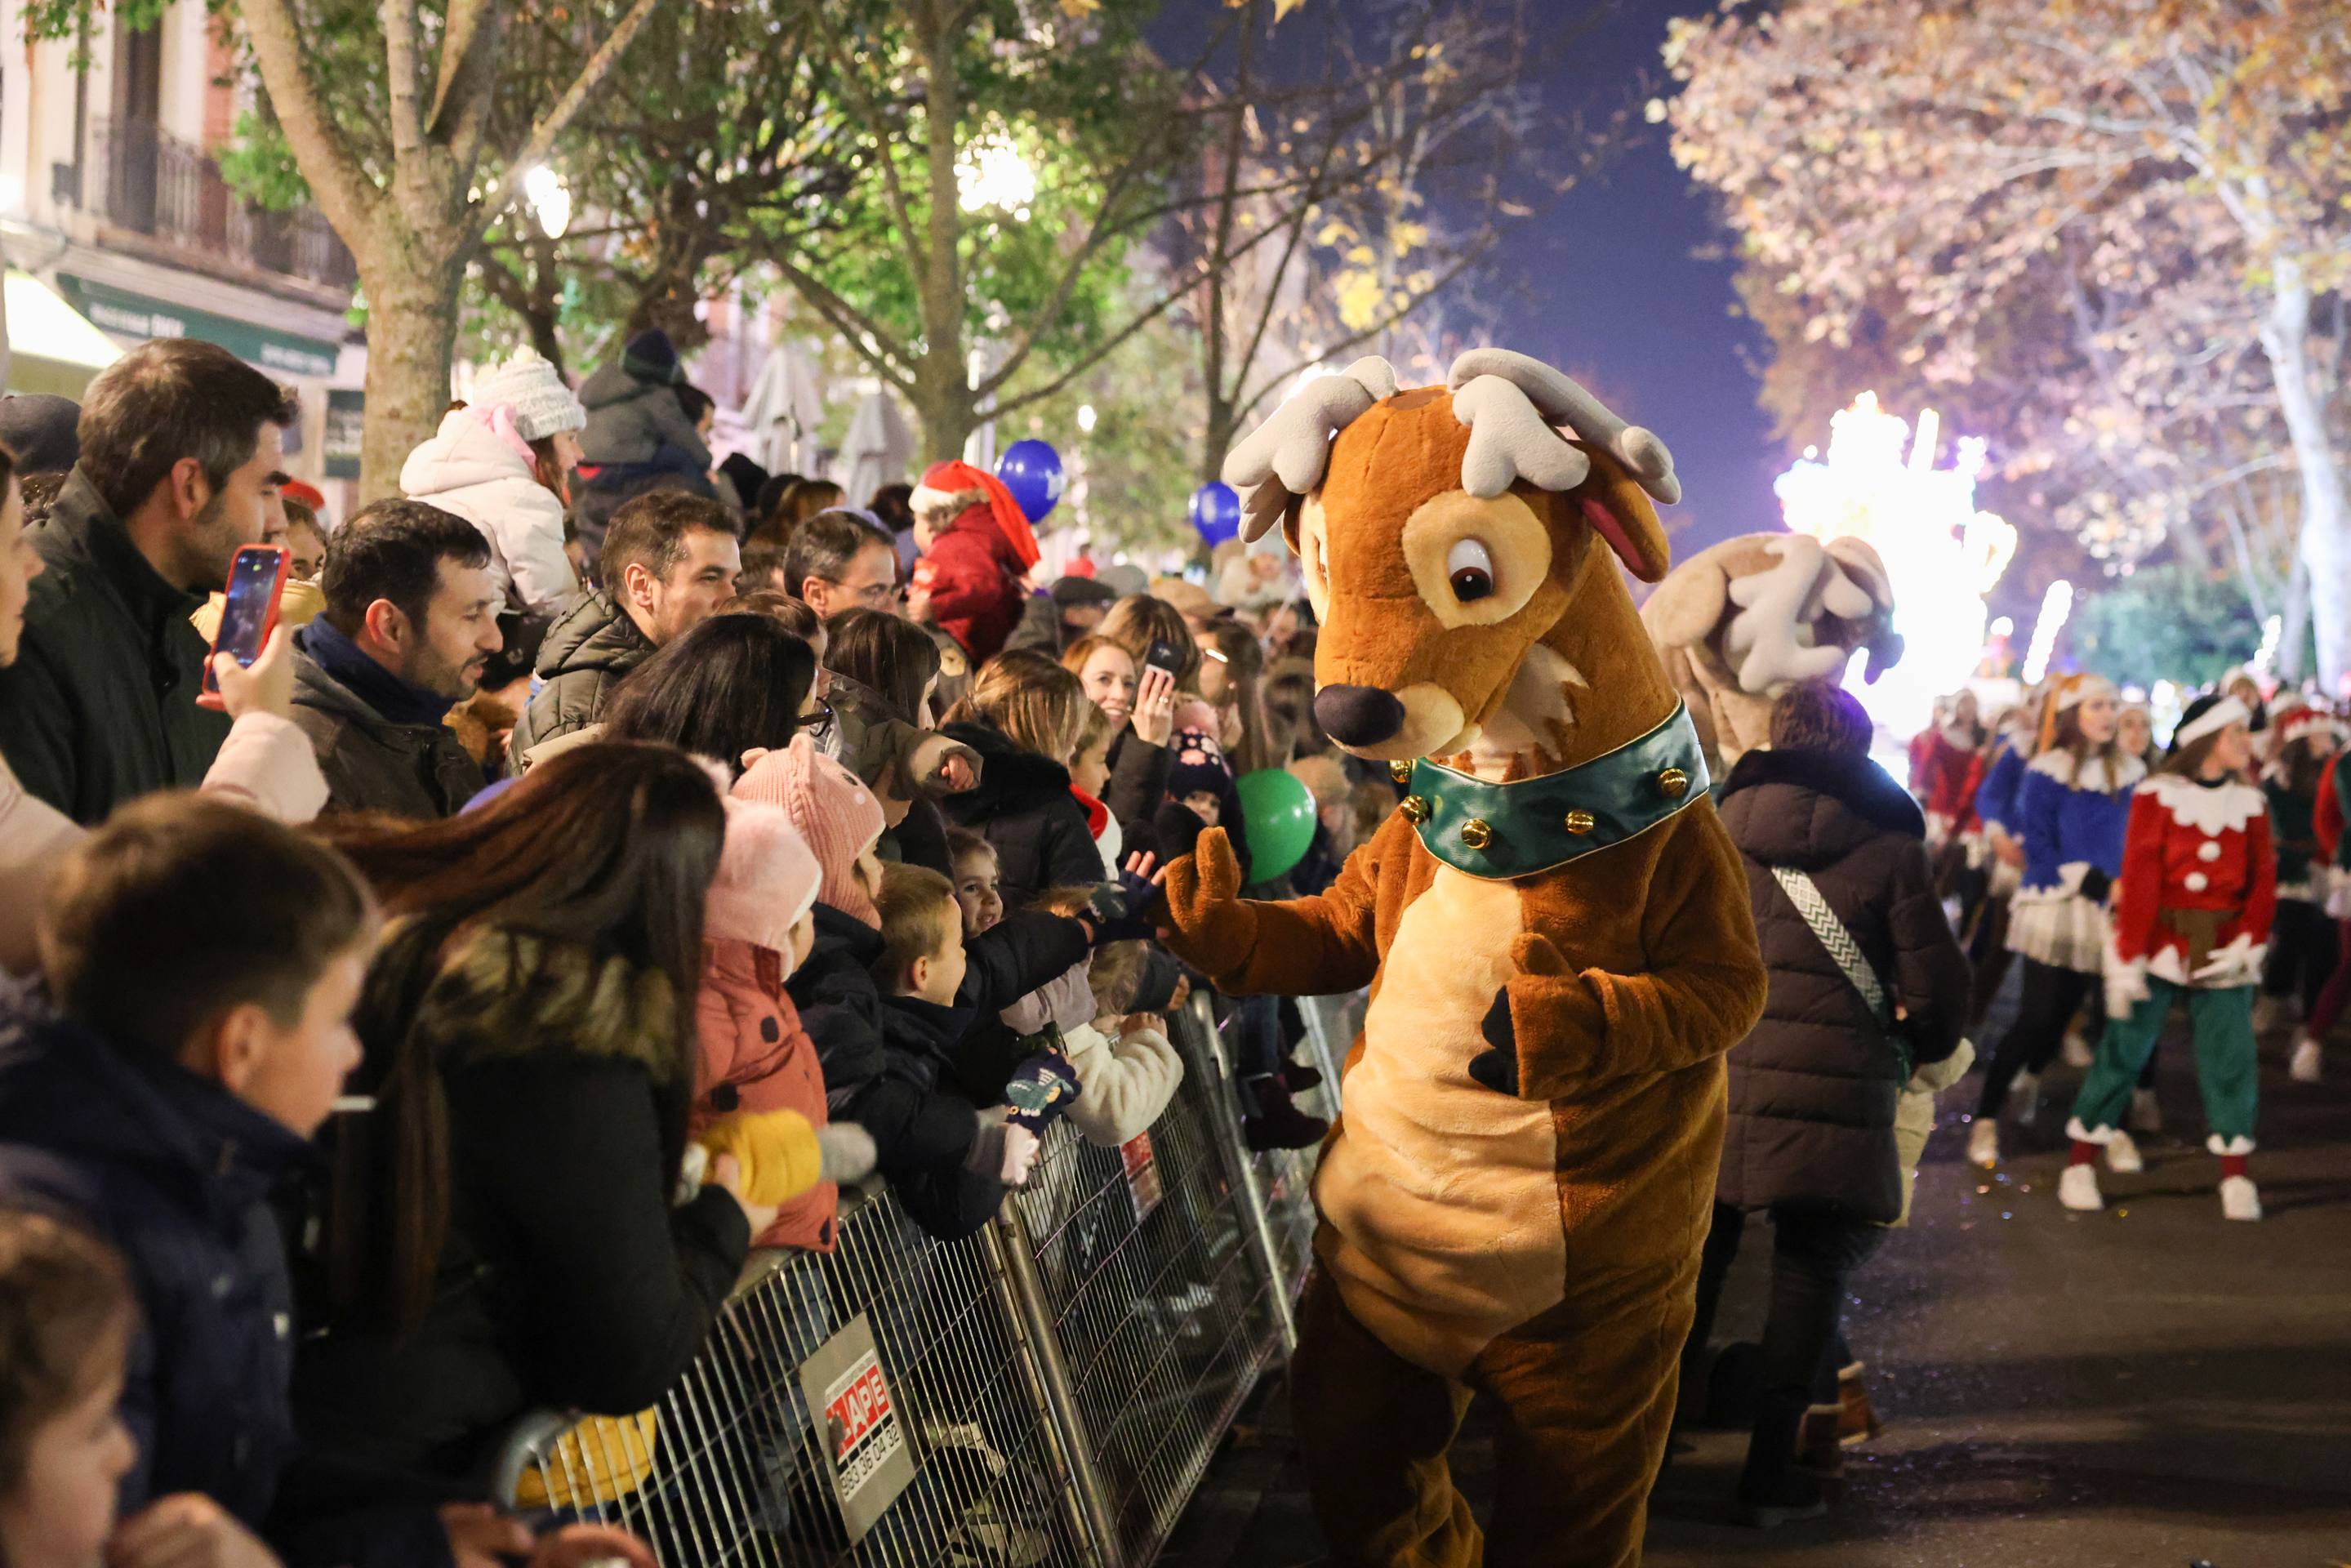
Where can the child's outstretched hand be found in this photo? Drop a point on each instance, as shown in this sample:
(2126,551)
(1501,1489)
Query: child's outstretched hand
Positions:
(1020,1146)
(1040,1090)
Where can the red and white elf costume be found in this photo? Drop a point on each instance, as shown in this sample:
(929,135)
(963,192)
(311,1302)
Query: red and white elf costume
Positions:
(976,547)
(2191,914)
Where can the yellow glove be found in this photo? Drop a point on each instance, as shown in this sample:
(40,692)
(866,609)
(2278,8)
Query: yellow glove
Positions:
(777,1150)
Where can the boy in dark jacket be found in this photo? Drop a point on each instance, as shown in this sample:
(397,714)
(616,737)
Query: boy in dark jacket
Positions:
(1832,845)
(923,1134)
(205,962)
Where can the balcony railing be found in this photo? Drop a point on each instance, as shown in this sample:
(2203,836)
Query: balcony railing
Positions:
(152,182)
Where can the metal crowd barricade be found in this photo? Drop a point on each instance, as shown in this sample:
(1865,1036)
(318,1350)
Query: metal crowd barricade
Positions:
(1059,1382)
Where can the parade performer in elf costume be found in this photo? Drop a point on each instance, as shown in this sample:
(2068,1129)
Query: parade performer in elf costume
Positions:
(1556,929)
(2192,911)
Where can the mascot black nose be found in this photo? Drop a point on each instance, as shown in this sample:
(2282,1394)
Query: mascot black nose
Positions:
(1358,716)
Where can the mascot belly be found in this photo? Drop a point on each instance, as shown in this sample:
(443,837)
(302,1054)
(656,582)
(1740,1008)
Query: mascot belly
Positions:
(1440,1198)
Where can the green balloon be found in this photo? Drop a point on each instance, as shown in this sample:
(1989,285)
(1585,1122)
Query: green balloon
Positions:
(1279,812)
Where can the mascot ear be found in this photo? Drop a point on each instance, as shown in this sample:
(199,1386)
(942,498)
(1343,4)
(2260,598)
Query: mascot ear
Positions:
(1611,503)
(1690,604)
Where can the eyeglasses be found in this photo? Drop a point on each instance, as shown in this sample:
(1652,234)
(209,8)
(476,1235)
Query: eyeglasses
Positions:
(820,726)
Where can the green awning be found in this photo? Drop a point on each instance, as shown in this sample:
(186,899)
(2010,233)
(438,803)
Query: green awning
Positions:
(136,316)
(52,347)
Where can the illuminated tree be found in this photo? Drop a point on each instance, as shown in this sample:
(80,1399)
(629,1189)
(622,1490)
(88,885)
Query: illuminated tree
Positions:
(2133,210)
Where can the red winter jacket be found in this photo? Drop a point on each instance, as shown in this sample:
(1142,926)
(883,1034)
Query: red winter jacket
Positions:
(757,1057)
(2195,847)
(974,577)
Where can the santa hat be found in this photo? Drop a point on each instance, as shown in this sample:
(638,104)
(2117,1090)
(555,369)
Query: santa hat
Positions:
(2070,692)
(767,880)
(531,385)
(2208,714)
(834,813)
(959,487)
(2302,719)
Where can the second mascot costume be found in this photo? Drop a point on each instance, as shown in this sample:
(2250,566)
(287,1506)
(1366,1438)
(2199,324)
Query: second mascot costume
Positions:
(1555,930)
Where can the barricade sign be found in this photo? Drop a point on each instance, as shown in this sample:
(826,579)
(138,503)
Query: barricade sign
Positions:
(1143,1185)
(872,1462)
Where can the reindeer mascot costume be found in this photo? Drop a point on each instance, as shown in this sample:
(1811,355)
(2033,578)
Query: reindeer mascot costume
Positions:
(1555,930)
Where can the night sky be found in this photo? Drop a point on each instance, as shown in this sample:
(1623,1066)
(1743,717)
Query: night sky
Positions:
(1610,283)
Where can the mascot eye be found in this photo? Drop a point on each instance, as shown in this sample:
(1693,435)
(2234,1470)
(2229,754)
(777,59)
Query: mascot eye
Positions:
(1470,571)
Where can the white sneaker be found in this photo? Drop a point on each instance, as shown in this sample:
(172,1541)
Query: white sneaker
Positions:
(2239,1199)
(2123,1157)
(2025,1095)
(2078,1189)
(2145,1113)
(2078,1051)
(1984,1142)
(2304,1068)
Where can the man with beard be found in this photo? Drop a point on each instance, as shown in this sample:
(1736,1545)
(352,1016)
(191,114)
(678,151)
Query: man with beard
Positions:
(180,452)
(412,617)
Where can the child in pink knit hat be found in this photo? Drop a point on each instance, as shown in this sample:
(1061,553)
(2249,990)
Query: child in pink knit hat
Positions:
(837,817)
(759,926)
(934,1145)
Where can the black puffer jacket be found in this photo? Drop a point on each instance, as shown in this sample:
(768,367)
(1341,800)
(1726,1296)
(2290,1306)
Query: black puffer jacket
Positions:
(1023,806)
(568,1280)
(1814,1088)
(591,646)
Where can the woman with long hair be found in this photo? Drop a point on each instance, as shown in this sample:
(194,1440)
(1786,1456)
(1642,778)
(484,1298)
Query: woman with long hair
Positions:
(736,684)
(2303,950)
(2193,901)
(501,1235)
(1141,707)
(1024,715)
(2070,810)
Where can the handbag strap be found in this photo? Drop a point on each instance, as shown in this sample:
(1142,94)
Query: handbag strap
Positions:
(1805,895)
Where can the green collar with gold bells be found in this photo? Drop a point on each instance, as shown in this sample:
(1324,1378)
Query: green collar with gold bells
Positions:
(1500,832)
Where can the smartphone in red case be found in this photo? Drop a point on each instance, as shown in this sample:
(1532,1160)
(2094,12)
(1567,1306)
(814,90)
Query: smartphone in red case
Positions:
(256,580)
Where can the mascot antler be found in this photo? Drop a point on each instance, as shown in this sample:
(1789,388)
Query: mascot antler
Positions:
(1284,456)
(1519,401)
(1512,404)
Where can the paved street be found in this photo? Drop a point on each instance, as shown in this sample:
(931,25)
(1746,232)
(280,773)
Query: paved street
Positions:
(2149,1386)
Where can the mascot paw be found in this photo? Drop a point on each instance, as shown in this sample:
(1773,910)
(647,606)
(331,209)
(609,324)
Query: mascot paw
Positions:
(1212,928)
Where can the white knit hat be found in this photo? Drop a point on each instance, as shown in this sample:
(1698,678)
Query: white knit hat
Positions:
(534,389)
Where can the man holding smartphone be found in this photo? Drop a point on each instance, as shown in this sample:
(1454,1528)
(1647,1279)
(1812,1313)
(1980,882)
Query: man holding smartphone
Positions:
(180,441)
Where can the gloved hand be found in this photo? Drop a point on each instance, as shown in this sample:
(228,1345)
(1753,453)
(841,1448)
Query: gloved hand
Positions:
(1532,957)
(779,1154)
(1212,928)
(2126,986)
(1040,1088)
(846,1152)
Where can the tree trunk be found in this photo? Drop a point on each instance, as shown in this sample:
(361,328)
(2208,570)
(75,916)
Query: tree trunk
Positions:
(2294,640)
(943,403)
(411,333)
(2324,549)
(1220,438)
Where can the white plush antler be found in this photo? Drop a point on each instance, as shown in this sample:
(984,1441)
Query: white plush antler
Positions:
(1509,441)
(1285,455)
(1560,401)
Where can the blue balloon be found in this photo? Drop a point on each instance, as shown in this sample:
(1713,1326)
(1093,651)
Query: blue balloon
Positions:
(1032,471)
(1216,513)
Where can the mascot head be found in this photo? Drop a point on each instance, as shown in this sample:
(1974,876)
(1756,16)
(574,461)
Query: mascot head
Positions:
(1444,532)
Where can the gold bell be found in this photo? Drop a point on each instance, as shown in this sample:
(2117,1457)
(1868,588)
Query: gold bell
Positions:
(1476,833)
(1581,822)
(1673,783)
(1400,770)
(1415,810)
